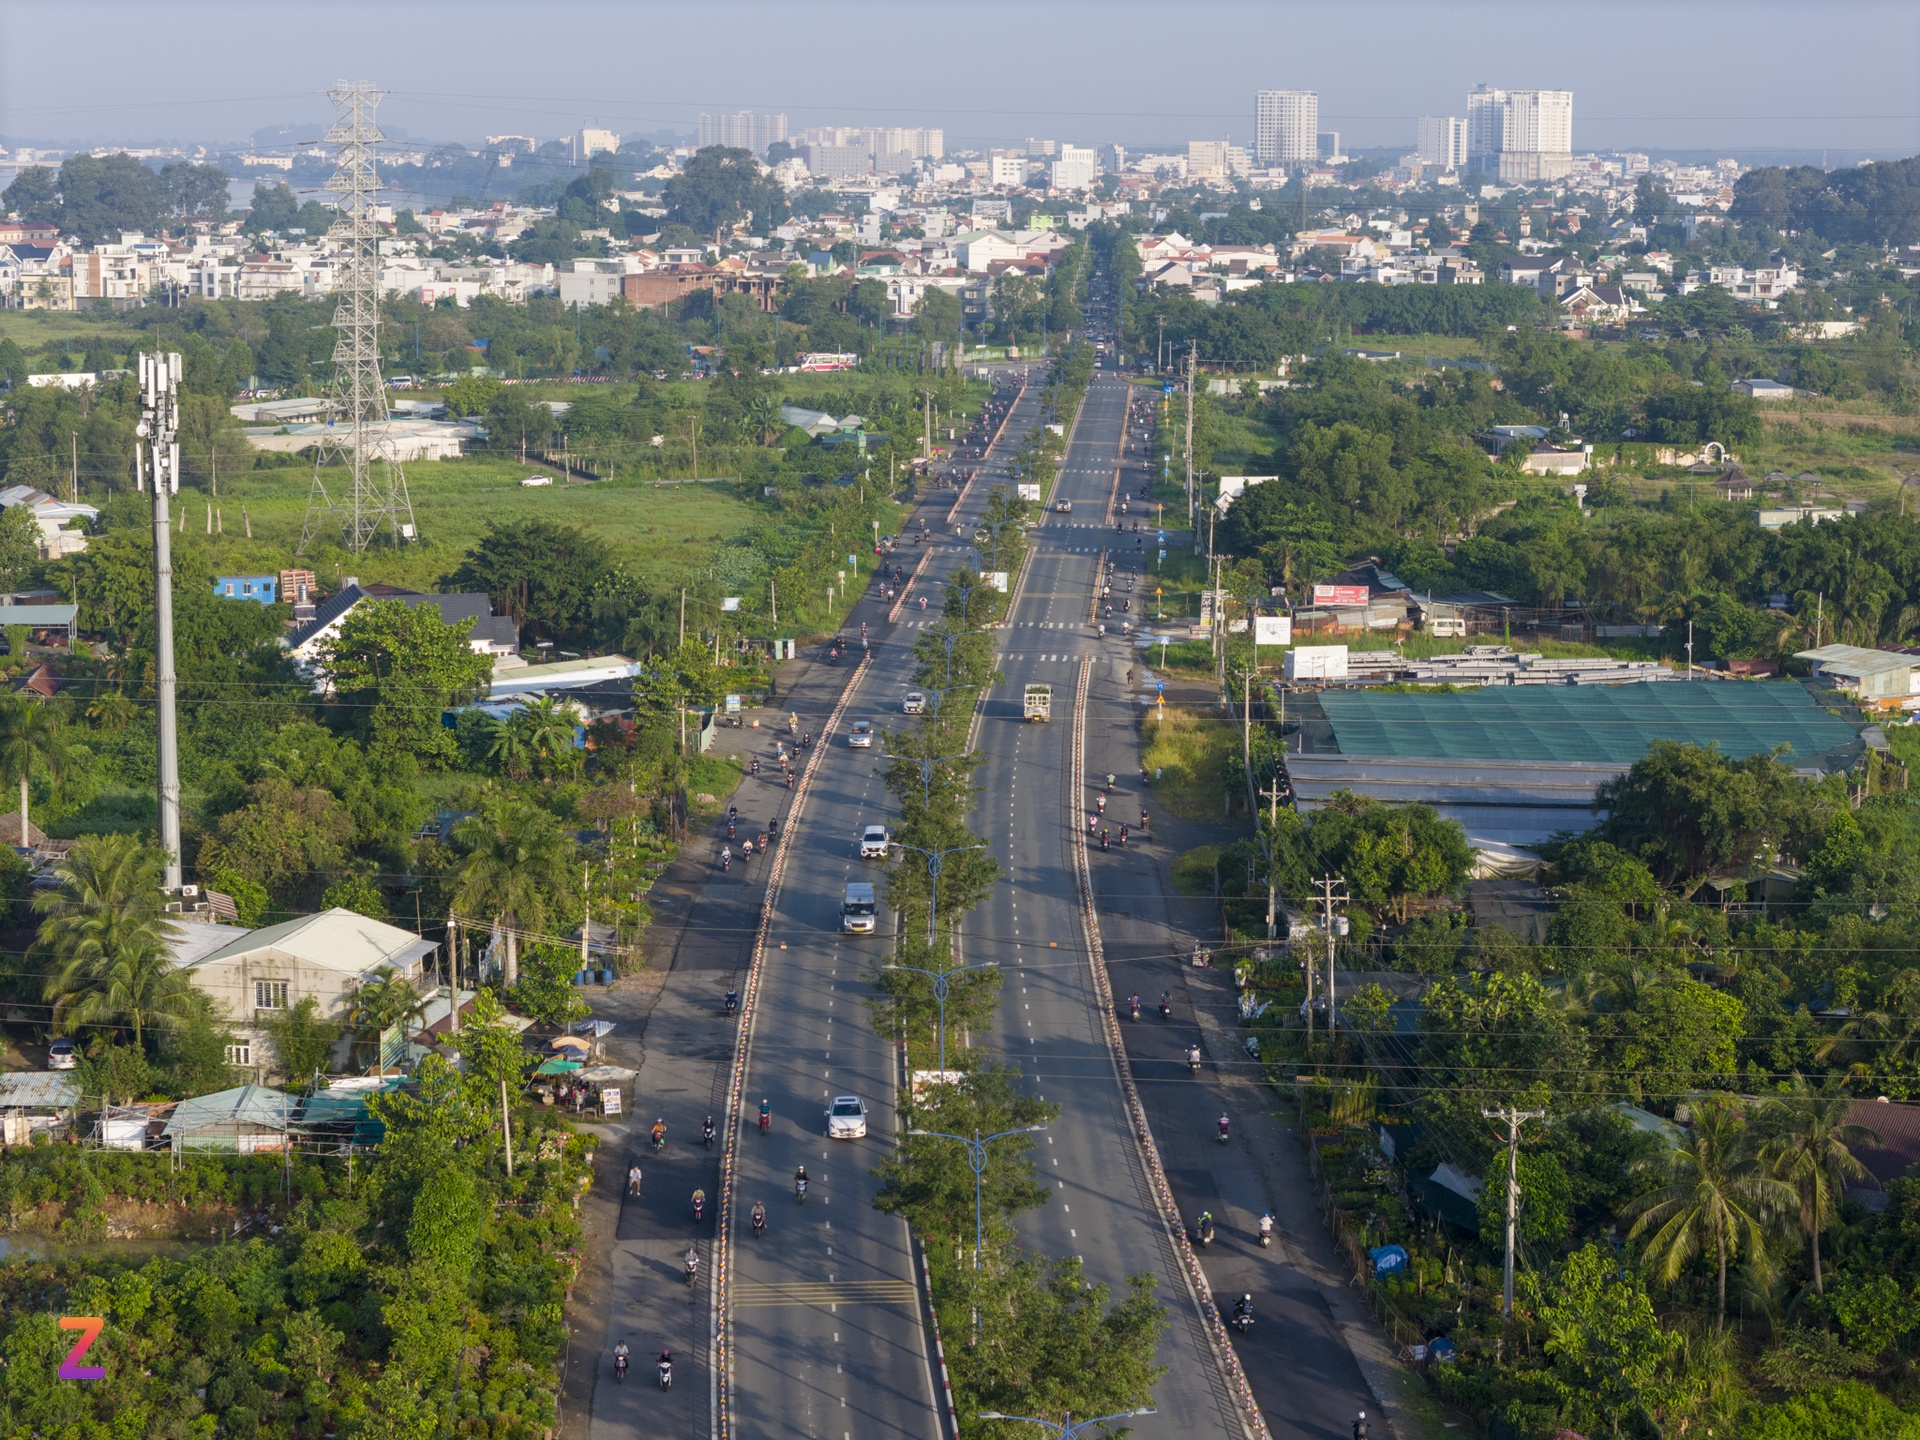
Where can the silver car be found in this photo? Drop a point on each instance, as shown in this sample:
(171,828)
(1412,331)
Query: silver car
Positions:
(847,1118)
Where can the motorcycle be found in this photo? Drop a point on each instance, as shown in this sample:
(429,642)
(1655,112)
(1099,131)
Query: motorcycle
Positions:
(800,1191)
(1193,1059)
(699,1206)
(766,1120)
(706,1134)
(620,1369)
(1203,1230)
(759,1220)
(1223,1130)
(1143,820)
(659,1138)
(726,861)
(1266,1231)
(693,1267)
(733,1001)
(730,829)
(1166,1008)
(1104,845)
(1123,837)
(1134,1006)
(1243,1314)
(666,1374)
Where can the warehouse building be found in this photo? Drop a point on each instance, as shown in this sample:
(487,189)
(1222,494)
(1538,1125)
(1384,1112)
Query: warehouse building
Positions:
(1515,765)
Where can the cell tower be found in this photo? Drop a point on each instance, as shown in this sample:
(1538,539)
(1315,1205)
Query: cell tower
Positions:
(357,430)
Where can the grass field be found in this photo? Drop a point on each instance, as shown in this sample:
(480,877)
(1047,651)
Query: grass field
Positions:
(30,329)
(1189,758)
(662,532)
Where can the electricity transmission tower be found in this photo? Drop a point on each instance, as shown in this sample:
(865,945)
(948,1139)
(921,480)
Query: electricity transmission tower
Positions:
(357,434)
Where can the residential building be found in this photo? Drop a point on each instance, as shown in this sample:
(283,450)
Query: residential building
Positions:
(742,130)
(594,142)
(1327,148)
(1286,127)
(1207,159)
(1441,140)
(491,634)
(258,588)
(1006,170)
(837,162)
(1764,389)
(258,975)
(1520,136)
(53,517)
(1076,169)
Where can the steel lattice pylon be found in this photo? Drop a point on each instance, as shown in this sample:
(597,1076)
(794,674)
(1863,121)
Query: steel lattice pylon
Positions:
(357,433)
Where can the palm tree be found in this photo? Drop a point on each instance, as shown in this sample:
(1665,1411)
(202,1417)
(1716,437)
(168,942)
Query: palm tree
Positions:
(1807,1146)
(110,709)
(1715,1196)
(763,418)
(517,857)
(546,728)
(383,1001)
(31,738)
(507,747)
(106,931)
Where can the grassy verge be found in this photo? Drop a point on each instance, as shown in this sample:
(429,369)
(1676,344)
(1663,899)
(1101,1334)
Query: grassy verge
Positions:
(1190,759)
(1193,871)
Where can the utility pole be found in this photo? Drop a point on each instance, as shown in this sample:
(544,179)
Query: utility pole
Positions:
(1514,1119)
(158,440)
(73,485)
(928,394)
(1272,792)
(1193,359)
(453,974)
(506,1127)
(1328,899)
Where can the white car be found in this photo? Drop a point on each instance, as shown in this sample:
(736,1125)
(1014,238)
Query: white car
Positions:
(62,1055)
(861,736)
(914,703)
(875,843)
(847,1118)
(533,480)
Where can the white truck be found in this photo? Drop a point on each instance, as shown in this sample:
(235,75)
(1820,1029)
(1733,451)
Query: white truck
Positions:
(1037,702)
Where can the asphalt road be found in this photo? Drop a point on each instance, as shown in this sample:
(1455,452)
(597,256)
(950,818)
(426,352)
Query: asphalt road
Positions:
(1048,1023)
(827,1341)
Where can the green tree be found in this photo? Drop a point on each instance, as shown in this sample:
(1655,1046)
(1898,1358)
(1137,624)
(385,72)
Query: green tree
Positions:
(303,1040)
(1607,1345)
(473,394)
(116,1073)
(518,864)
(385,999)
(32,741)
(545,990)
(1809,1144)
(541,573)
(106,936)
(397,668)
(19,546)
(358,893)
(285,838)
(1711,1195)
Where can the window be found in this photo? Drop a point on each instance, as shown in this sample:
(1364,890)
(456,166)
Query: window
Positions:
(241,1054)
(269,994)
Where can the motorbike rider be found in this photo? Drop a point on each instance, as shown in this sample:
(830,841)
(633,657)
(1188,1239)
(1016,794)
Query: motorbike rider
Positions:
(733,1004)
(800,1183)
(1223,1128)
(693,1262)
(1243,1311)
(759,1217)
(706,1132)
(666,1368)
(1193,1058)
(659,1133)
(699,1205)
(1266,1227)
(620,1353)
(766,1115)
(1360,1427)
(633,1179)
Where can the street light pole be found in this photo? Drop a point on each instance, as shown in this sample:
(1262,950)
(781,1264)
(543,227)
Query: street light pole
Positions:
(1066,1429)
(942,986)
(977,1158)
(159,429)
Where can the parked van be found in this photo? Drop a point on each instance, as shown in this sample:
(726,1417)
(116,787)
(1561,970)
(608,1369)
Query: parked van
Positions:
(859,909)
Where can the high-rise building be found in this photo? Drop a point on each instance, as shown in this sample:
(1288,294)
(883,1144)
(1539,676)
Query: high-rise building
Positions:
(1041,149)
(837,162)
(1006,170)
(742,130)
(1441,140)
(1327,146)
(1076,169)
(593,142)
(1207,159)
(1520,135)
(1286,125)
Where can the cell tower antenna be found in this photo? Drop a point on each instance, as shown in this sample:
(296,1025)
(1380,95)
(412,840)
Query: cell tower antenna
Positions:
(357,433)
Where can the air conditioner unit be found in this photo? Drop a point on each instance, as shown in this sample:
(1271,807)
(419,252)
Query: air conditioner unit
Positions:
(189,891)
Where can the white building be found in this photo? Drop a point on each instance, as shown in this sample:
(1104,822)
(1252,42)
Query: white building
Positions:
(1522,136)
(593,142)
(1207,159)
(1006,170)
(742,130)
(1442,140)
(837,162)
(1286,127)
(1076,169)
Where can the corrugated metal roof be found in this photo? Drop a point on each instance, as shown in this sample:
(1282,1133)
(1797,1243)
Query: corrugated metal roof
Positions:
(1600,725)
(38,1090)
(336,939)
(254,1105)
(38,615)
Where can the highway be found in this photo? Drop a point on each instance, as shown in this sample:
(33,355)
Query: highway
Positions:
(827,1340)
(1049,1023)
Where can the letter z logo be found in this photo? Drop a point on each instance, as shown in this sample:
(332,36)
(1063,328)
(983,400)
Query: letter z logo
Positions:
(89,1327)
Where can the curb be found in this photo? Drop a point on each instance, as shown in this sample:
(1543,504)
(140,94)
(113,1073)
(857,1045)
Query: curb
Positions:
(960,498)
(1254,1424)
(939,1350)
(719,1318)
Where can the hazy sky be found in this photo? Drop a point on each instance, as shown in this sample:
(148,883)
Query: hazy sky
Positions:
(1804,74)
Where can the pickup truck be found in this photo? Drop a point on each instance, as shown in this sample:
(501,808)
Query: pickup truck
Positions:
(1037,702)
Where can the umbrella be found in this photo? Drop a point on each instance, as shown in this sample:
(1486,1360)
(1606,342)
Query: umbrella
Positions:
(601,1074)
(558,1067)
(570,1042)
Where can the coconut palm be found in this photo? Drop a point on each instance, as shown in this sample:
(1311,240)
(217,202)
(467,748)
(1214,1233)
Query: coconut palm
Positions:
(1714,1196)
(763,419)
(518,858)
(1807,1145)
(507,747)
(107,934)
(546,728)
(31,739)
(384,1000)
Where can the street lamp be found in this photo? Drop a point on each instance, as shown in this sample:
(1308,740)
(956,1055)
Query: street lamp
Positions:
(977,1158)
(941,987)
(935,862)
(1065,1429)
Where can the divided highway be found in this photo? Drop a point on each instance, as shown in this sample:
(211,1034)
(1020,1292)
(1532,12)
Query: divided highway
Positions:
(827,1342)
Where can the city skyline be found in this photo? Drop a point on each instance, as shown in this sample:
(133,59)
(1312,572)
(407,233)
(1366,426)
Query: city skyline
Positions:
(1713,81)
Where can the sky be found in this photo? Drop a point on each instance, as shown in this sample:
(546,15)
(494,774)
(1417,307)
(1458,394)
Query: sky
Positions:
(1806,75)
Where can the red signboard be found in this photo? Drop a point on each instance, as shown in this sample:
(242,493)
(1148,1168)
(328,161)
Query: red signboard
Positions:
(1339,595)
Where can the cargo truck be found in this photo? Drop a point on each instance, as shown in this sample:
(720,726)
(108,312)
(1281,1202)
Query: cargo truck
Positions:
(1038,702)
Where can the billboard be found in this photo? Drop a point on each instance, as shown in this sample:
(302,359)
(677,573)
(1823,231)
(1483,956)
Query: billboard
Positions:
(1272,630)
(1028,492)
(1340,595)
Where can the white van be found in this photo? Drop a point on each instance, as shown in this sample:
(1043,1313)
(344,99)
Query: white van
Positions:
(858,911)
